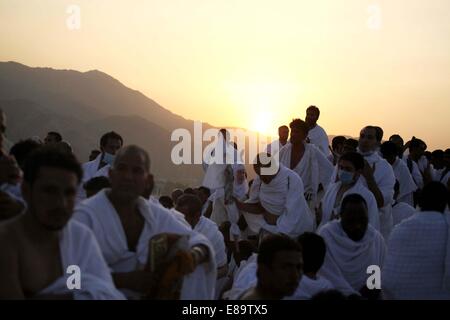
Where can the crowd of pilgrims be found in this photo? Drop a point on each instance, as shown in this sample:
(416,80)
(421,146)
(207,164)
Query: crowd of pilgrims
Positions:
(363,218)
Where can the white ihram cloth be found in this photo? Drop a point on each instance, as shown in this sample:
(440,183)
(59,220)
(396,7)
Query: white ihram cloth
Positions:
(318,137)
(415,172)
(283,197)
(417,264)
(99,214)
(79,247)
(244,279)
(402,211)
(385,179)
(210,230)
(346,261)
(308,288)
(314,169)
(406,182)
(328,202)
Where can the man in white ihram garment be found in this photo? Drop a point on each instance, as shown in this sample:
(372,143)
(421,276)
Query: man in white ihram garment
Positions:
(417,264)
(221,167)
(110,143)
(316,134)
(402,175)
(283,135)
(349,181)
(305,159)
(276,203)
(125,225)
(378,176)
(352,246)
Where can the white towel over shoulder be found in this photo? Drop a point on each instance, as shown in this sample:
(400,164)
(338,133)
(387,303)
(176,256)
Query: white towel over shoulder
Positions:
(99,214)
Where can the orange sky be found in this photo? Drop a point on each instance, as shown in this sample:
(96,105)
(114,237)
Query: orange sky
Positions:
(256,64)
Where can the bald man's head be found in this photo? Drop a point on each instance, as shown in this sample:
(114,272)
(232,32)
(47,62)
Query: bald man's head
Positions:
(130,173)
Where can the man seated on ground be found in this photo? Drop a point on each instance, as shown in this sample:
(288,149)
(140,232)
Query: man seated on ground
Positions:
(279,269)
(190,206)
(352,246)
(278,204)
(350,166)
(313,252)
(38,247)
(133,231)
(417,264)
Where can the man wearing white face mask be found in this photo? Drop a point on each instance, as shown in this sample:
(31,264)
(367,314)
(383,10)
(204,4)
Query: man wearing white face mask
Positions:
(110,144)
(350,166)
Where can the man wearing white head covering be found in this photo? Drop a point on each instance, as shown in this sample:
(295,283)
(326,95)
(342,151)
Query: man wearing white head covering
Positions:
(352,246)
(402,175)
(125,225)
(307,161)
(417,264)
(277,203)
(378,176)
(350,166)
(316,134)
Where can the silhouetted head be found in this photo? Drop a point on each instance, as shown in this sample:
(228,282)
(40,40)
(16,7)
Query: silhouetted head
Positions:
(313,252)
(23,149)
(52,137)
(95,185)
(434,197)
(51,179)
(283,133)
(166,202)
(337,144)
(130,173)
(389,151)
(354,217)
(280,265)
(191,206)
(175,195)
(312,115)
(299,131)
(368,139)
